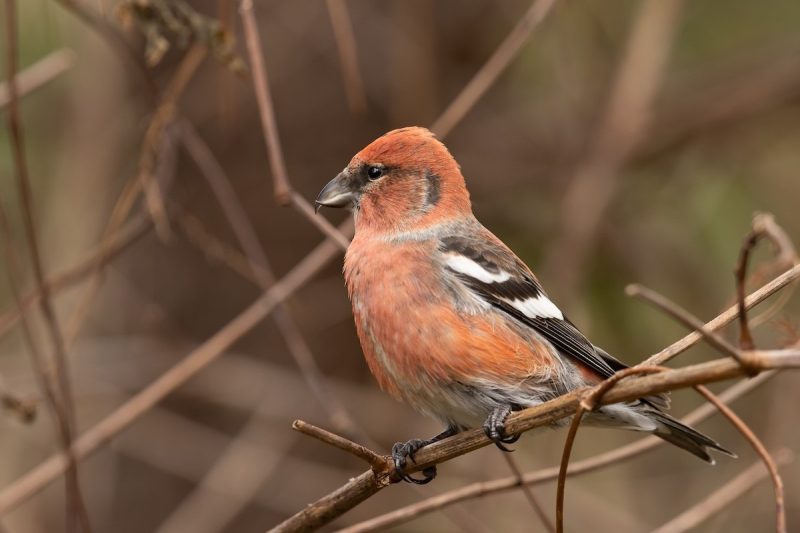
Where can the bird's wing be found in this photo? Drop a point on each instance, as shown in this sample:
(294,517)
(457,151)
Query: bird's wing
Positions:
(494,274)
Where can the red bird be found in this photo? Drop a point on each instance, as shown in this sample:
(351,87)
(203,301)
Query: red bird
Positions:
(449,319)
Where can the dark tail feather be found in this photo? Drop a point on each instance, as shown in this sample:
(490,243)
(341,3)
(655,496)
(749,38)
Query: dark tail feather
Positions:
(685,437)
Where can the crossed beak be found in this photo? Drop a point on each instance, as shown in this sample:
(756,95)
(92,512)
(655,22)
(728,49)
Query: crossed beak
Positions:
(337,193)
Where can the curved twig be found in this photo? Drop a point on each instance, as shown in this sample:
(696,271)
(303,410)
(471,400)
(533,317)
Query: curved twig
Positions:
(588,403)
(761,450)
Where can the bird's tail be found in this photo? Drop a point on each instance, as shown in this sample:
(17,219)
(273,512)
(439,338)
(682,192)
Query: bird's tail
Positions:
(683,436)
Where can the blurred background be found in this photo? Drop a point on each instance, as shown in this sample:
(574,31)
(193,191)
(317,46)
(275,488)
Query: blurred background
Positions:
(624,142)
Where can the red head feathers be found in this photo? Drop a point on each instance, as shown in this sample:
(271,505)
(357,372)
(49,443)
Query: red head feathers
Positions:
(404,180)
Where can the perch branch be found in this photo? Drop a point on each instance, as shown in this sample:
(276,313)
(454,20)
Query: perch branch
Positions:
(485,488)
(350,495)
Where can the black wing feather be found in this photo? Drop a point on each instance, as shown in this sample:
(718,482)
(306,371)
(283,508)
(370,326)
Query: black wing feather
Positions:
(522,285)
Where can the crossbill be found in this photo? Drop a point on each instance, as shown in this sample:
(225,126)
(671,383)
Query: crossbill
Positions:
(450,320)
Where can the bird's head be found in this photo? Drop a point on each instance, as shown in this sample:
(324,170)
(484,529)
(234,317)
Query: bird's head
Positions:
(402,181)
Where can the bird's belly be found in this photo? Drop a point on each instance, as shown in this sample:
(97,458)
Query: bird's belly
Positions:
(427,348)
(443,373)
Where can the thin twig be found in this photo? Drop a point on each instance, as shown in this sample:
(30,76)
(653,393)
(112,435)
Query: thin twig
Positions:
(527,491)
(165,172)
(764,226)
(47,385)
(324,226)
(761,450)
(486,488)
(259,264)
(348,55)
(39,74)
(723,497)
(116,40)
(55,283)
(726,317)
(213,249)
(264,99)
(745,337)
(60,390)
(685,318)
(378,463)
(491,70)
(16,134)
(164,115)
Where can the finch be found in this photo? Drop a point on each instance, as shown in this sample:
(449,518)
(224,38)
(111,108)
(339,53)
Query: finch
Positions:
(450,320)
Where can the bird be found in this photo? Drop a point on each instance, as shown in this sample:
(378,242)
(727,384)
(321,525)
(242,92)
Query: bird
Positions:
(450,320)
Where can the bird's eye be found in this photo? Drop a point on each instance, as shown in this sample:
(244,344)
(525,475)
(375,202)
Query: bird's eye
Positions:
(374,172)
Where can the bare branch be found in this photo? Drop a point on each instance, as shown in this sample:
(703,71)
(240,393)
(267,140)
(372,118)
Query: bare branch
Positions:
(527,490)
(324,226)
(39,74)
(685,318)
(379,463)
(491,70)
(726,317)
(96,259)
(485,488)
(348,55)
(164,115)
(350,495)
(259,265)
(58,390)
(723,497)
(264,98)
(47,385)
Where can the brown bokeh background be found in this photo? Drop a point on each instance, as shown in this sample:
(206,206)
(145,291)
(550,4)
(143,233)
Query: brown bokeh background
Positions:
(719,141)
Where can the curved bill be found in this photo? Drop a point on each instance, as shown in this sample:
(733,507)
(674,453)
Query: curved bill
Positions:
(337,193)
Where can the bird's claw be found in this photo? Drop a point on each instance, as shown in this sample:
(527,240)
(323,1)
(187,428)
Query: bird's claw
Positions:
(495,428)
(402,451)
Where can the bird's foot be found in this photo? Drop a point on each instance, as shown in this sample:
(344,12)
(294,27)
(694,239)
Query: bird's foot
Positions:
(402,451)
(495,428)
